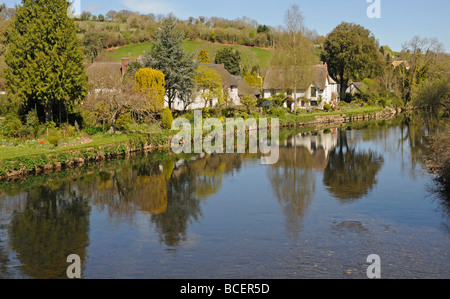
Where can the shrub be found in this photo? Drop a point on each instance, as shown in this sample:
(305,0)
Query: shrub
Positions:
(326,107)
(12,126)
(277,112)
(123,121)
(53,140)
(93,130)
(167,118)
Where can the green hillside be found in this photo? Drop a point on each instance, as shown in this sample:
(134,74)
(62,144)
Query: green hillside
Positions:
(250,55)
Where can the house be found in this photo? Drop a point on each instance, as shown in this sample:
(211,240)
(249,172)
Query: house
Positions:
(398,63)
(355,88)
(234,87)
(317,91)
(313,148)
(106,75)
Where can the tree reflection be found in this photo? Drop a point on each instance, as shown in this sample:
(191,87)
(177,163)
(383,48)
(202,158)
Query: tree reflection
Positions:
(293,177)
(54,224)
(190,183)
(351,173)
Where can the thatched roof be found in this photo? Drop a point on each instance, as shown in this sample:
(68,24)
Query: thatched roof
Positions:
(227,79)
(279,79)
(104,73)
(243,87)
(400,62)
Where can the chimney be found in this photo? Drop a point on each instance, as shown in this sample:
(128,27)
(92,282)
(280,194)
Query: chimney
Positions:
(125,62)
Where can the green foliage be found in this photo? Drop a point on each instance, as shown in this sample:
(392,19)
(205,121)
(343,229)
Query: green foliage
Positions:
(277,112)
(166,118)
(11,126)
(433,95)
(230,58)
(352,53)
(209,83)
(53,140)
(168,55)
(45,62)
(279,98)
(251,79)
(92,44)
(93,130)
(326,107)
(248,101)
(124,121)
(203,56)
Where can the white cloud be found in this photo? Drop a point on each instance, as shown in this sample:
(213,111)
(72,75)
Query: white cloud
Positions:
(155,7)
(93,8)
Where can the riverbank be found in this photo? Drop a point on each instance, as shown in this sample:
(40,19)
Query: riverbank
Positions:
(438,160)
(22,164)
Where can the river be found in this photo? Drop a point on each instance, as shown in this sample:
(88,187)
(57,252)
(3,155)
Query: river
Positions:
(334,197)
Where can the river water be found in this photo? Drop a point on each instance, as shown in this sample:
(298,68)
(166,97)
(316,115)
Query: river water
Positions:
(335,197)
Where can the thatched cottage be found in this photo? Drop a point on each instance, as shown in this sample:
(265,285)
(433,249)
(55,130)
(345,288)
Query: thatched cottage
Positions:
(317,90)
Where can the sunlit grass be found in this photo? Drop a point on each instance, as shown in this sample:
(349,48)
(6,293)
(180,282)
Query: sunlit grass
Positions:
(12,152)
(250,55)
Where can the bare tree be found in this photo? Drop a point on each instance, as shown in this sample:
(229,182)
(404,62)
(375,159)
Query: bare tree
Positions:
(422,55)
(294,53)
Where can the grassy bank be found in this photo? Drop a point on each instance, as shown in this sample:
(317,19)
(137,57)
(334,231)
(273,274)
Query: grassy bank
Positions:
(16,161)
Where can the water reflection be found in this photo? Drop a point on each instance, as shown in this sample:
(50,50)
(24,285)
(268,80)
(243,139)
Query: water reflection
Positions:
(351,173)
(45,220)
(293,177)
(54,224)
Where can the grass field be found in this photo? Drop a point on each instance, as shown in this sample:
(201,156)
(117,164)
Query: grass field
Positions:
(13,152)
(250,55)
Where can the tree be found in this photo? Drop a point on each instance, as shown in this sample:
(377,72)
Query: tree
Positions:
(209,84)
(111,15)
(433,95)
(152,83)
(168,55)
(45,62)
(101,18)
(85,16)
(119,99)
(352,53)
(230,58)
(251,79)
(294,53)
(422,55)
(203,56)
(92,43)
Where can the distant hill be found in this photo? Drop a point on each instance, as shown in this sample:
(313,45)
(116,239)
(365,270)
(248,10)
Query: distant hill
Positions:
(250,55)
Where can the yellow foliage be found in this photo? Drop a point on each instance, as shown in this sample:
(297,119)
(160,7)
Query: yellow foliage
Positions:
(152,83)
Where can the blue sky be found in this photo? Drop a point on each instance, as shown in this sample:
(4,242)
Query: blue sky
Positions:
(400,19)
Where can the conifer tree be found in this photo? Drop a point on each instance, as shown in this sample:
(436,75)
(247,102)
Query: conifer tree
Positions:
(44,58)
(203,56)
(168,56)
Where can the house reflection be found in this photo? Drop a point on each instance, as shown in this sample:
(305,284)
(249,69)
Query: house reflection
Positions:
(293,177)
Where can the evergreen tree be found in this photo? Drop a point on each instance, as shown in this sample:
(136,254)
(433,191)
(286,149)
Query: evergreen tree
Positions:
(168,56)
(203,56)
(231,59)
(44,58)
(352,53)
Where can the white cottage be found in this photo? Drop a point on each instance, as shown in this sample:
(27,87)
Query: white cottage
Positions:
(322,88)
(230,87)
